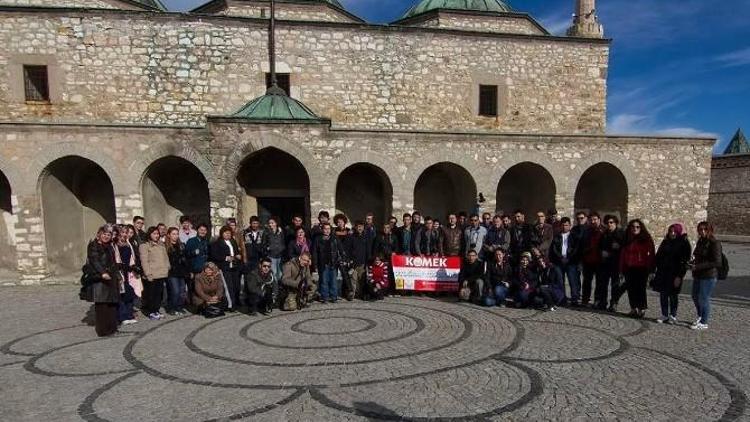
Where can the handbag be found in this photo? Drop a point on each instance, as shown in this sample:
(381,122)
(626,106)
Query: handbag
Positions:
(465,293)
(213,311)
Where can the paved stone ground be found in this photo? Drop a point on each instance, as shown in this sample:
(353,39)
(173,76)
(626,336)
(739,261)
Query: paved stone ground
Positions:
(404,358)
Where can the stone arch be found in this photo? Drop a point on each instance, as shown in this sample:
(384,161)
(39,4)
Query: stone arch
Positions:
(7,226)
(603,188)
(362,188)
(148,157)
(528,187)
(351,157)
(265,140)
(45,156)
(171,187)
(621,163)
(77,197)
(445,188)
(273,182)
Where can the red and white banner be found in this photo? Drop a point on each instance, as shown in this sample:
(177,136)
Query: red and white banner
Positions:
(426,274)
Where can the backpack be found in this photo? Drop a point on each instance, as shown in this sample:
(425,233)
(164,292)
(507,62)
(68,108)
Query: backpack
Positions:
(724,270)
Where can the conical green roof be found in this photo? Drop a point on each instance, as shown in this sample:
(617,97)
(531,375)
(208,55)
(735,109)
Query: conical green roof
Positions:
(738,145)
(275,105)
(424,6)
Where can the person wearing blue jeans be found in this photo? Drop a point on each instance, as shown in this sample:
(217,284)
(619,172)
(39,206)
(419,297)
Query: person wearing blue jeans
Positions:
(499,276)
(178,269)
(564,254)
(706,263)
(326,256)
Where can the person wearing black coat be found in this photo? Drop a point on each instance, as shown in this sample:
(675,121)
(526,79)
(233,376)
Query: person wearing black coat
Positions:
(472,275)
(361,252)
(326,258)
(671,265)
(499,276)
(706,263)
(608,278)
(225,253)
(564,253)
(407,237)
(103,281)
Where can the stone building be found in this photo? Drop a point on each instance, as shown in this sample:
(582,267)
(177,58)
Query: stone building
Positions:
(729,197)
(116,108)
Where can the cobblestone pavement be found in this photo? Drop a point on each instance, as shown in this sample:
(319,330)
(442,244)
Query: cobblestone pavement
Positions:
(401,359)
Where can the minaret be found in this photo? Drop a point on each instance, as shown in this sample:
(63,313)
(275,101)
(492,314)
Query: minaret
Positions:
(585,21)
(274,88)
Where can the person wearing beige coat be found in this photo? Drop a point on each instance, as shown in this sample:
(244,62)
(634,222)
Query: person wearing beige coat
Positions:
(155,264)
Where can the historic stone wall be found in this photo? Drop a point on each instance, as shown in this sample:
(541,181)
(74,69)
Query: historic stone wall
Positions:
(667,179)
(500,24)
(312,12)
(99,4)
(729,200)
(174,69)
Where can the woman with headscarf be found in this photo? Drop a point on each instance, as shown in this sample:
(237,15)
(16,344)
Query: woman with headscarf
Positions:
(671,265)
(104,281)
(299,244)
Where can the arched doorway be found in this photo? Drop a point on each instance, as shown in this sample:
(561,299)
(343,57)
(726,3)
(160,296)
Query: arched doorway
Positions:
(173,187)
(603,189)
(527,187)
(363,188)
(7,225)
(275,184)
(445,188)
(77,198)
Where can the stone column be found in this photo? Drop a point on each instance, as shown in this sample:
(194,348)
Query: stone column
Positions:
(127,206)
(564,202)
(31,250)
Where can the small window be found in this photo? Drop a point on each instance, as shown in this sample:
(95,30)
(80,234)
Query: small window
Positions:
(488,100)
(36,83)
(282,79)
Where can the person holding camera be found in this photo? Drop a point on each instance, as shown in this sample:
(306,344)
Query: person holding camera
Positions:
(474,236)
(299,288)
(226,254)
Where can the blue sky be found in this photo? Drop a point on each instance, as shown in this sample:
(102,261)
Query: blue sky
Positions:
(677,67)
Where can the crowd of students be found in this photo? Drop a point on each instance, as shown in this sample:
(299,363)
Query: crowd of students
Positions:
(506,261)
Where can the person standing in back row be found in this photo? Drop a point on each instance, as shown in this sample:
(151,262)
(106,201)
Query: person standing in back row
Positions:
(706,263)
(225,253)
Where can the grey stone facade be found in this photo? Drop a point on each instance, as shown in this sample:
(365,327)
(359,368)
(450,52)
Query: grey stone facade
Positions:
(729,199)
(135,126)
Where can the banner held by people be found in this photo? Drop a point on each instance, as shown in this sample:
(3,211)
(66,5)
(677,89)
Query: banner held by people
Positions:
(426,274)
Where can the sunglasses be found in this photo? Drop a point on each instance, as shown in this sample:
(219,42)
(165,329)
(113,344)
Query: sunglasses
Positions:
(265,266)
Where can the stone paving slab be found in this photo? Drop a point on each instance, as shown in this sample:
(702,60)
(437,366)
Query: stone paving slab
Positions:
(410,358)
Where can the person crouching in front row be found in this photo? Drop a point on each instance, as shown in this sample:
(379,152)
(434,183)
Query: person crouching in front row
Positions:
(209,288)
(299,289)
(260,288)
(378,279)
(472,276)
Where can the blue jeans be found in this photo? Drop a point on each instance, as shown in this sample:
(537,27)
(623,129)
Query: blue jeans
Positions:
(176,293)
(277,273)
(328,286)
(501,292)
(702,290)
(571,272)
(125,307)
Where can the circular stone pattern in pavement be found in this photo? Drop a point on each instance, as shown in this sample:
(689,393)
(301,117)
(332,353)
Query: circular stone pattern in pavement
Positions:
(333,326)
(400,359)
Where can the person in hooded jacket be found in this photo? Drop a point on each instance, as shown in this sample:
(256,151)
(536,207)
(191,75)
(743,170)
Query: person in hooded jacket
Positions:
(671,265)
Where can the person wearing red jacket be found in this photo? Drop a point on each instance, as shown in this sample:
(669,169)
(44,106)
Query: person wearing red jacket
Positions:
(637,263)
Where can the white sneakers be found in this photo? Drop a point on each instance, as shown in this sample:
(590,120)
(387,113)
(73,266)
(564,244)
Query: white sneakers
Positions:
(672,320)
(129,321)
(699,326)
(662,319)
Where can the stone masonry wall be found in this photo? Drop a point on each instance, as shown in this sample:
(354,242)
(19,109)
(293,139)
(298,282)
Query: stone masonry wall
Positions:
(500,24)
(99,4)
(729,200)
(286,11)
(668,179)
(173,69)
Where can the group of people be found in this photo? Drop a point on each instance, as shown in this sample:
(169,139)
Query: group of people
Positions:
(505,261)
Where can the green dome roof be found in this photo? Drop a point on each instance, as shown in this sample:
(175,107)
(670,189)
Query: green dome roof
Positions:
(472,5)
(275,105)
